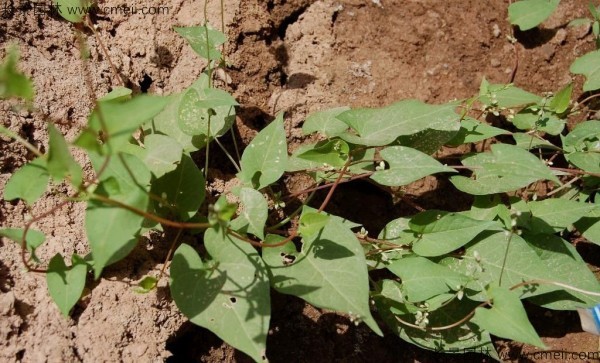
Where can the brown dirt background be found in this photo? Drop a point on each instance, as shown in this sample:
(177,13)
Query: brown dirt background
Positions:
(296,56)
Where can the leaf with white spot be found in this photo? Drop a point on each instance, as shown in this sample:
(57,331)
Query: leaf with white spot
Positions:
(264,161)
(255,211)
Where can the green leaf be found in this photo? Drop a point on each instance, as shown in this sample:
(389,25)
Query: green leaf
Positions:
(552,215)
(147,284)
(255,211)
(329,272)
(330,152)
(507,317)
(589,162)
(231,299)
(265,159)
(12,82)
(536,259)
(203,40)
(382,126)
(193,116)
(507,95)
(406,166)
(117,94)
(29,182)
(167,121)
(506,168)
(532,141)
(589,226)
(60,161)
(528,14)
(584,137)
(567,266)
(589,66)
(311,223)
(325,122)
(182,188)
(111,230)
(221,212)
(122,119)
(72,10)
(531,118)
(442,232)
(215,97)
(467,337)
(423,279)
(579,22)
(560,102)
(162,154)
(472,131)
(66,284)
(34,238)
(428,141)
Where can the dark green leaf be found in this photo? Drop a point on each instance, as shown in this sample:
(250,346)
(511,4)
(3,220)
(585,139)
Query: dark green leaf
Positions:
(382,126)
(183,190)
(406,166)
(423,279)
(506,168)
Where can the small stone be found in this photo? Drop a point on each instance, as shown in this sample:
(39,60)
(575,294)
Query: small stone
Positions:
(582,31)
(548,51)
(495,62)
(560,37)
(496,30)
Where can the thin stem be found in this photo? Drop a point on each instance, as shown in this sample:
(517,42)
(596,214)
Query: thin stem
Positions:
(153,217)
(505,258)
(89,24)
(586,100)
(21,141)
(334,186)
(171,249)
(26,229)
(328,185)
(566,185)
(237,167)
(576,171)
(555,283)
(293,214)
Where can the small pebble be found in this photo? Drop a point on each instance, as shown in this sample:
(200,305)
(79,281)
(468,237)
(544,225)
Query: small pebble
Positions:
(496,30)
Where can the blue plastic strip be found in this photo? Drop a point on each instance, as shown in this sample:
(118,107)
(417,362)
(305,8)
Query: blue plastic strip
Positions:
(596,315)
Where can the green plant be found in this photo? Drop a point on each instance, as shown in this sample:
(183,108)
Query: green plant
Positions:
(451,279)
(527,14)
